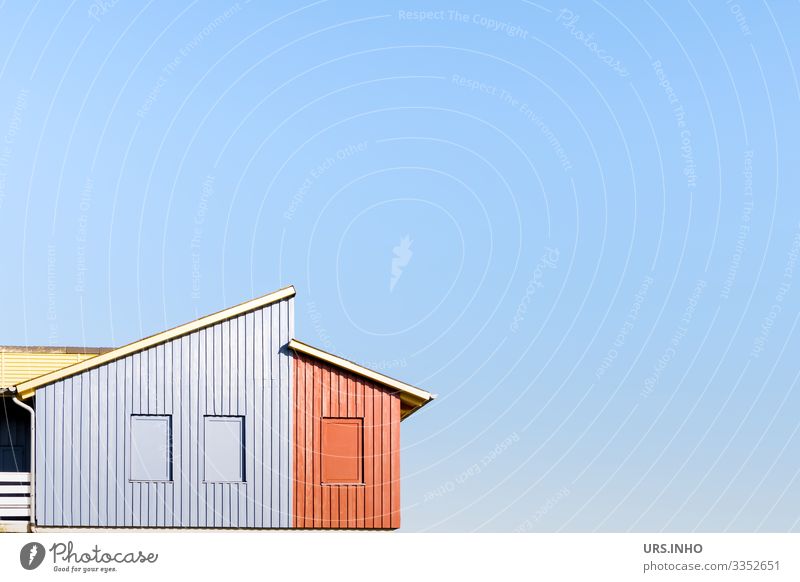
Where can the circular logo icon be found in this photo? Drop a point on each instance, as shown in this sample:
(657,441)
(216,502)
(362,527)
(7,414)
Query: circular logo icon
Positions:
(31,555)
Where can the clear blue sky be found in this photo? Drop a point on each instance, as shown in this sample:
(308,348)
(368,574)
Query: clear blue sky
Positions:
(578,225)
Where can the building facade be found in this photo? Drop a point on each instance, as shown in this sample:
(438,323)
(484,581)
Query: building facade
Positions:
(223,422)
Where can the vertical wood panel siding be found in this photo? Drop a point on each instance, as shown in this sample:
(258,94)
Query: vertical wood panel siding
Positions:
(321,390)
(237,367)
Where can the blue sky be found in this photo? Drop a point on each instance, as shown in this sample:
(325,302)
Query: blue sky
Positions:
(576,223)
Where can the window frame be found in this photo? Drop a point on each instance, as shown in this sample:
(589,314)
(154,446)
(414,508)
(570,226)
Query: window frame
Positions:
(242,446)
(359,422)
(169,449)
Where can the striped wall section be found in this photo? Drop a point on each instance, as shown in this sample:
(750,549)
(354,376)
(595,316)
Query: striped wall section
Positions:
(240,367)
(322,390)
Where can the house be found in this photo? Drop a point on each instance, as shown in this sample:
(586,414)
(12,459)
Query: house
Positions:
(224,422)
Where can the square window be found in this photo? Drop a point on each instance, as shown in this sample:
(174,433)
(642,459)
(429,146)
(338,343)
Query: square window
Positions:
(151,447)
(342,450)
(224,448)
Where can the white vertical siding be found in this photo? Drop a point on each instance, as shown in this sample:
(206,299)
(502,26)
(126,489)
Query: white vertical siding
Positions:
(237,367)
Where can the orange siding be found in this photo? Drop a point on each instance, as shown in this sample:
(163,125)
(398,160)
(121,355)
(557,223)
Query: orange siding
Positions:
(321,390)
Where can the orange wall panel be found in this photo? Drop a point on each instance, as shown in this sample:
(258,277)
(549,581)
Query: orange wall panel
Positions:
(323,391)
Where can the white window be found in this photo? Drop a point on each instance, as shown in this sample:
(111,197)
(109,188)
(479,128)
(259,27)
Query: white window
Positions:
(224,448)
(151,447)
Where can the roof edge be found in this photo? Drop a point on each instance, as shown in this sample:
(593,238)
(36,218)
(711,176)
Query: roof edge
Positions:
(414,397)
(50,350)
(27,388)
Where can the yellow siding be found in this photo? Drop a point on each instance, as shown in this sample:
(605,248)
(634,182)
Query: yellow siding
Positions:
(20,366)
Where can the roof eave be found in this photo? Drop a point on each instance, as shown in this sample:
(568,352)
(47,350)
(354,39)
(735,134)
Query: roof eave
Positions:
(411,397)
(408,410)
